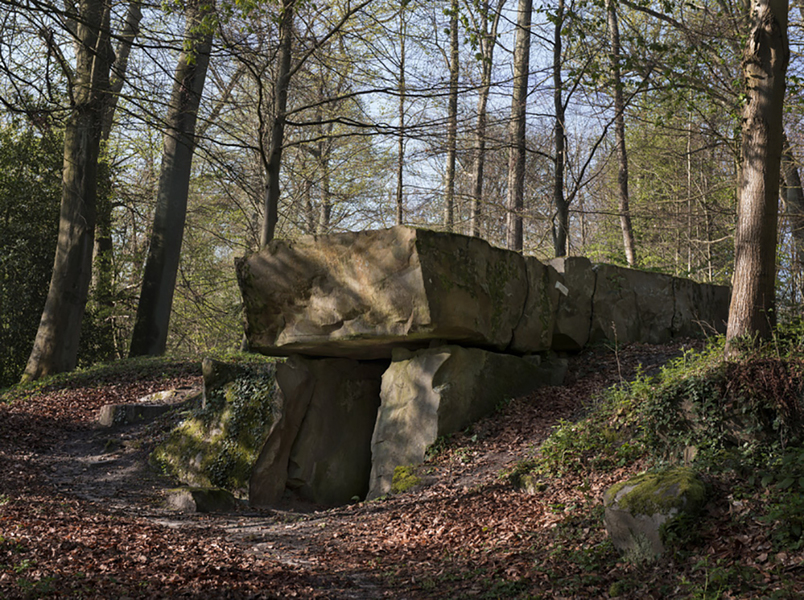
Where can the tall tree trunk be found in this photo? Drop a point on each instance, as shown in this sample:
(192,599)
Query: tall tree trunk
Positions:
(325,212)
(561,223)
(101,302)
(619,134)
(273,162)
(56,345)
(516,131)
(400,156)
(488,41)
(161,267)
(752,309)
(793,195)
(452,119)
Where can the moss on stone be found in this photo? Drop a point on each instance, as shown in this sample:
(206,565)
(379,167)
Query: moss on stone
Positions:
(404,479)
(659,493)
(217,445)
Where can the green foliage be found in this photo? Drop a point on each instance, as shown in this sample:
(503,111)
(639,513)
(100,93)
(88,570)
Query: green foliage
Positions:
(783,477)
(699,402)
(30,192)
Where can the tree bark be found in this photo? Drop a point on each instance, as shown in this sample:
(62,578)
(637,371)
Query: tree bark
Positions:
(273,162)
(56,345)
(488,41)
(752,309)
(400,152)
(452,120)
(793,195)
(516,132)
(619,134)
(101,298)
(161,266)
(561,224)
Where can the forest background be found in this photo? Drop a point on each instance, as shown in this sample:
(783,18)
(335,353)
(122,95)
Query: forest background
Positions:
(605,129)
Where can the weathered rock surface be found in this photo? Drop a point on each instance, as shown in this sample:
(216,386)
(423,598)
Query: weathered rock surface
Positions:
(575,288)
(700,309)
(534,332)
(434,392)
(632,306)
(362,294)
(321,446)
(637,509)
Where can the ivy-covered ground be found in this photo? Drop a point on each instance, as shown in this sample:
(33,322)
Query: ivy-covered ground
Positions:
(497,513)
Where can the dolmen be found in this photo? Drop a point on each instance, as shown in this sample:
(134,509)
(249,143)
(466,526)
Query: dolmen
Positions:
(397,337)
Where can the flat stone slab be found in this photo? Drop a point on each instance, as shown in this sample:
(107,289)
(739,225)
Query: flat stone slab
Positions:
(360,295)
(146,408)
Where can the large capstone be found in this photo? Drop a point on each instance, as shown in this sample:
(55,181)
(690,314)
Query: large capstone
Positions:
(438,391)
(700,309)
(632,306)
(359,295)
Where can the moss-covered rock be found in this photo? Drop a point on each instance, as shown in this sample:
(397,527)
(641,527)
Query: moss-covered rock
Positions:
(638,510)
(217,443)
(404,479)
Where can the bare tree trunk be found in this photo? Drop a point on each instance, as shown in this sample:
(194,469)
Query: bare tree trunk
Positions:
(752,309)
(400,157)
(619,134)
(273,162)
(561,224)
(56,345)
(488,41)
(101,301)
(516,131)
(325,212)
(452,120)
(793,195)
(161,267)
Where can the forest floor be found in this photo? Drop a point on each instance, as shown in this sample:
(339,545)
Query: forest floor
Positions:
(82,514)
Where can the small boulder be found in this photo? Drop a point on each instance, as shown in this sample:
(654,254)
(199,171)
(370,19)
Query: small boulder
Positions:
(201,500)
(638,509)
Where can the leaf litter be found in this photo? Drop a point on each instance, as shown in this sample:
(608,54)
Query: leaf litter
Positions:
(71,526)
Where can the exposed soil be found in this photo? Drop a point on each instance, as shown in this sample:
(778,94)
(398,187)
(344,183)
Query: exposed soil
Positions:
(82,513)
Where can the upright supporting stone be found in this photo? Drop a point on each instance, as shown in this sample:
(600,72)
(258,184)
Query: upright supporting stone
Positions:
(270,472)
(321,447)
(435,392)
(331,458)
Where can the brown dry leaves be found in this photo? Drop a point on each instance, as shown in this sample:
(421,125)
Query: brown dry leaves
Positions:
(466,533)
